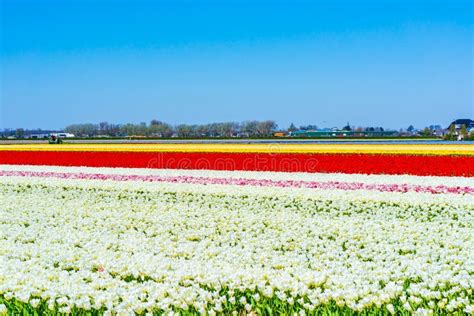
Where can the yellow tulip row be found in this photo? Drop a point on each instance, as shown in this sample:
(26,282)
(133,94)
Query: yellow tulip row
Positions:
(409,149)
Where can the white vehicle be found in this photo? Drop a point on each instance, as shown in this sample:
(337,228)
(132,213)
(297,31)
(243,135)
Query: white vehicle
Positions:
(62,135)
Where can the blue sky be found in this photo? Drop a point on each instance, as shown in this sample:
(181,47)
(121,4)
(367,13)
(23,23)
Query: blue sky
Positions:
(389,63)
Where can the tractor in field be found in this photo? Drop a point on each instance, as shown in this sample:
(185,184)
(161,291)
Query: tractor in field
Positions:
(54,139)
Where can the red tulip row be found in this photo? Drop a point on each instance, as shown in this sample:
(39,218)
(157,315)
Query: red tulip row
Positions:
(328,163)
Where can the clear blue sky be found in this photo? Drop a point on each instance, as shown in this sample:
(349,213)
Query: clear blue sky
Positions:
(390,63)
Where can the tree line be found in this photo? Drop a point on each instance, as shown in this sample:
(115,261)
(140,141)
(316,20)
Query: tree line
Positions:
(160,129)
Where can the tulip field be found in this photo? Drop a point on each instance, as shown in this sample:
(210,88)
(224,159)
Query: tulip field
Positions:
(236,229)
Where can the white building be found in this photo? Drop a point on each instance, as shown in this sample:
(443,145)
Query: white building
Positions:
(62,135)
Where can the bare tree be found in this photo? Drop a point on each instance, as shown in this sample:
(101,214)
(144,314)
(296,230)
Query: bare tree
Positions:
(19,133)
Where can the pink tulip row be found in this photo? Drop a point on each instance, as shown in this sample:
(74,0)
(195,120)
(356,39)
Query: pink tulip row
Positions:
(327,185)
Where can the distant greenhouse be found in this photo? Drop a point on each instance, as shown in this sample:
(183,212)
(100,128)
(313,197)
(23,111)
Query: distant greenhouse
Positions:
(343,133)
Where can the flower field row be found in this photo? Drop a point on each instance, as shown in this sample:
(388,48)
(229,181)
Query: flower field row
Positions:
(422,165)
(392,149)
(394,187)
(125,241)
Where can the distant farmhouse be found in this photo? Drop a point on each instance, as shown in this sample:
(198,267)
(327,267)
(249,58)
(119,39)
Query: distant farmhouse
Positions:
(346,131)
(457,126)
(37,136)
(63,135)
(46,135)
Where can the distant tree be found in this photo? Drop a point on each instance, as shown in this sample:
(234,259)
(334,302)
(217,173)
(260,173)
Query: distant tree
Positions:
(427,131)
(82,130)
(153,130)
(140,129)
(308,127)
(202,130)
(227,129)
(72,129)
(250,128)
(166,130)
(265,128)
(212,130)
(114,130)
(155,122)
(184,130)
(410,129)
(19,133)
(160,129)
(90,129)
(292,128)
(463,131)
(127,129)
(451,135)
(104,128)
